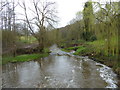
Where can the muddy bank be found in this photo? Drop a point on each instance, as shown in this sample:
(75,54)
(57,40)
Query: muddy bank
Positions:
(20,49)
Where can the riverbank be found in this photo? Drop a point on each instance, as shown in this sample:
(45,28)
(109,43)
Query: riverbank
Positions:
(23,50)
(58,70)
(88,49)
(24,57)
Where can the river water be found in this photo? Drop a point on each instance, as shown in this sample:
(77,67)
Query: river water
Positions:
(58,70)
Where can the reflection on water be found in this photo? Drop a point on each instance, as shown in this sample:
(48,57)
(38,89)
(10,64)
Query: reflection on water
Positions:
(61,71)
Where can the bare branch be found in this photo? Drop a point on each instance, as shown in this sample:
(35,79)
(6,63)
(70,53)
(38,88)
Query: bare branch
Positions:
(24,6)
(47,5)
(50,24)
(51,19)
(36,9)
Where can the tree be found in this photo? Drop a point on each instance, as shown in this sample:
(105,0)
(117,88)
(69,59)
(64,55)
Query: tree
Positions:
(44,13)
(88,18)
(7,13)
(107,21)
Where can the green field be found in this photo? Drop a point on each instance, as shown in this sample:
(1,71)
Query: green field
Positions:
(30,39)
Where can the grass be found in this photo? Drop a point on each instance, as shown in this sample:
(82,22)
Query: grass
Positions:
(77,48)
(25,57)
(65,50)
(46,50)
(31,39)
(73,48)
(96,43)
(78,51)
(69,49)
(22,58)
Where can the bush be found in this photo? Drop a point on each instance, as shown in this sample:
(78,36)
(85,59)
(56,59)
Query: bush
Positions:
(88,36)
(93,38)
(46,50)
(8,38)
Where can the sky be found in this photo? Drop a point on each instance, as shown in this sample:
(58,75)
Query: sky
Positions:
(67,9)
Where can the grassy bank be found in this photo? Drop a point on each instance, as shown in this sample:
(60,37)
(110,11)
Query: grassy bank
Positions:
(23,58)
(95,51)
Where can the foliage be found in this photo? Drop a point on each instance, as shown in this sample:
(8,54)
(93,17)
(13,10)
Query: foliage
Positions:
(88,16)
(93,38)
(8,38)
(88,36)
(99,26)
(46,50)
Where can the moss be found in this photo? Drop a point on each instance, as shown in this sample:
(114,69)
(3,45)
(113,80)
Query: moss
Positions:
(22,58)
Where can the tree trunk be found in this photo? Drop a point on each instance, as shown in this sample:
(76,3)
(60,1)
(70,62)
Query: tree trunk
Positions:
(40,47)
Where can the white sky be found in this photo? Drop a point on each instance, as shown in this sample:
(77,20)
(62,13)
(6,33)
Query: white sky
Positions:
(66,9)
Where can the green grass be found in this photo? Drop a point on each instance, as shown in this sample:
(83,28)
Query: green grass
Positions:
(78,51)
(65,50)
(31,39)
(22,58)
(97,43)
(69,48)
(46,50)
(73,48)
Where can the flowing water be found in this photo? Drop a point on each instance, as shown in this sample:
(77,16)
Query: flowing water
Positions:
(58,70)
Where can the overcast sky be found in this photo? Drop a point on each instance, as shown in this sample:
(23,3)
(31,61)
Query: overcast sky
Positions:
(67,9)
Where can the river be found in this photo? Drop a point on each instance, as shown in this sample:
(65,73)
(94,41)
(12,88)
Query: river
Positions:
(58,70)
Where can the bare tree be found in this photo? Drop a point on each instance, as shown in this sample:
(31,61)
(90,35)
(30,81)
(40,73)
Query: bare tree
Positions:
(44,14)
(7,13)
